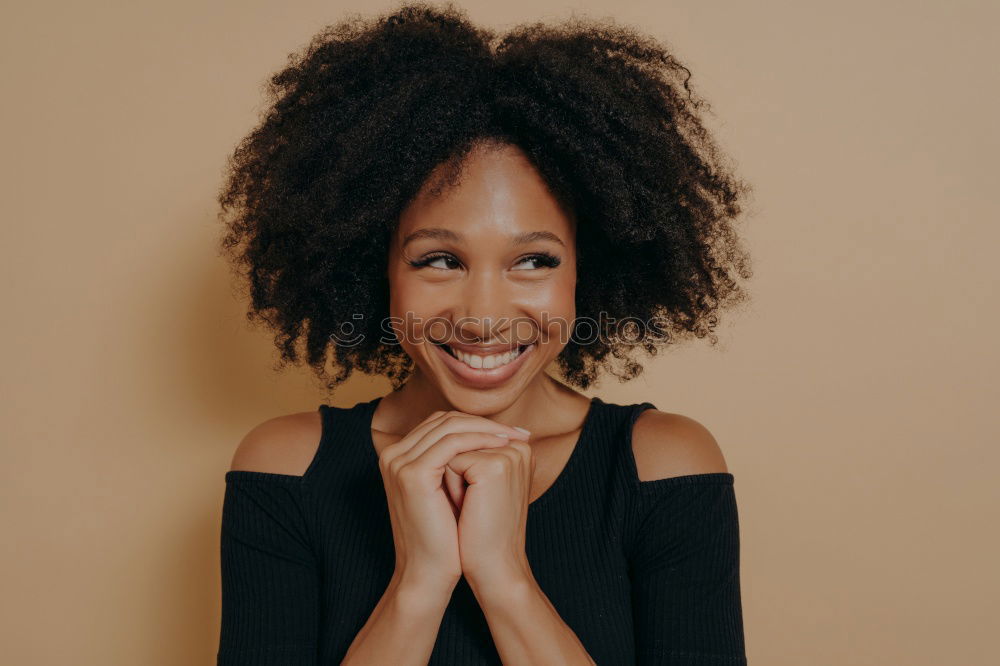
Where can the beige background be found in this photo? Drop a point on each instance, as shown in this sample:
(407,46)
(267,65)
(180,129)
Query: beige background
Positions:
(855,400)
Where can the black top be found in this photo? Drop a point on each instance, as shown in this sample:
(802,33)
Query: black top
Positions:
(644,572)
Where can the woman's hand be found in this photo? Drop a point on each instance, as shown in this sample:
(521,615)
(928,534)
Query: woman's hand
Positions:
(423,517)
(493,520)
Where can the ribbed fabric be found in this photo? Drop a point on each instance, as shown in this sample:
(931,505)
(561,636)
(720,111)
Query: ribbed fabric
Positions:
(644,572)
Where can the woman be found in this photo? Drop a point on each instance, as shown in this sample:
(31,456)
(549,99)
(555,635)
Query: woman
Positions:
(458,212)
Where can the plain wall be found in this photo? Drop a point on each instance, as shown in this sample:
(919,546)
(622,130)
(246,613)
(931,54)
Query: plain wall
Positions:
(855,399)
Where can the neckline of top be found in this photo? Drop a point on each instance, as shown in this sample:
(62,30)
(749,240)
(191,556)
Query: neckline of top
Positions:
(368,414)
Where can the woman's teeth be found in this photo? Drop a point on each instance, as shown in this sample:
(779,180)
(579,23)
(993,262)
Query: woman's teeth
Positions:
(484,362)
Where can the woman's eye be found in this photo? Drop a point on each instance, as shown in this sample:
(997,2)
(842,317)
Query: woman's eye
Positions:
(442,259)
(543,260)
(447,262)
(431,259)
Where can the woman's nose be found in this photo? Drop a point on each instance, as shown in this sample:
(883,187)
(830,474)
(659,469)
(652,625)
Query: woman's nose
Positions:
(484,298)
(474,330)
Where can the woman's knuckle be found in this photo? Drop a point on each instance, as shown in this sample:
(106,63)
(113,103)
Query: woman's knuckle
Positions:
(395,466)
(497,464)
(451,438)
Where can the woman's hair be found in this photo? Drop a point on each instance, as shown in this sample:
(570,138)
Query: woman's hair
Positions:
(360,117)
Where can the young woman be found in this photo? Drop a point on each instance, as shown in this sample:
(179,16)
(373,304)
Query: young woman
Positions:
(459,212)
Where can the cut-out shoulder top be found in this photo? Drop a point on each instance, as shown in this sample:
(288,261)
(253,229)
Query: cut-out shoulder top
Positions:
(644,572)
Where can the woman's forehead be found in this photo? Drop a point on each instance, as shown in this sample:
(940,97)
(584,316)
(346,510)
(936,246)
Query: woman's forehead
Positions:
(497,192)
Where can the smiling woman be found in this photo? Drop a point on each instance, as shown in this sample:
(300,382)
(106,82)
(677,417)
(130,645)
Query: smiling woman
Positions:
(372,109)
(483,281)
(481,210)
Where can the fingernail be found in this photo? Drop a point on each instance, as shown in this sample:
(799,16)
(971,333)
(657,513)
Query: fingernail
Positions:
(526,432)
(502,434)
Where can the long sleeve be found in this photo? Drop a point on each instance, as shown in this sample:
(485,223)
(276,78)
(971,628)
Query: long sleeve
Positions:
(685,572)
(270,579)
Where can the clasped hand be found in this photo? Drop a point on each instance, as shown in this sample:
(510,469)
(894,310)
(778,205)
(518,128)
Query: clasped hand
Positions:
(458,487)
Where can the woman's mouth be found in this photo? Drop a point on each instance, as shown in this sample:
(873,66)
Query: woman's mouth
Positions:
(483,370)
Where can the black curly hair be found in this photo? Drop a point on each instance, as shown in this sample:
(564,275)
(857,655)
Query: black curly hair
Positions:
(360,117)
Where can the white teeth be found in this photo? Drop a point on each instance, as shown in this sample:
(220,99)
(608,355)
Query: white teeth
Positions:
(485,362)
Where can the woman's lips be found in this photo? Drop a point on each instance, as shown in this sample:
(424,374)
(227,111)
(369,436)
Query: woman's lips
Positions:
(481,377)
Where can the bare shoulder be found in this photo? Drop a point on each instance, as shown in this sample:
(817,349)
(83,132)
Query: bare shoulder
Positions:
(667,445)
(284,444)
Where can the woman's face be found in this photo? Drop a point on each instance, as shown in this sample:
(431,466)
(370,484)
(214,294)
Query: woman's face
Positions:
(488,268)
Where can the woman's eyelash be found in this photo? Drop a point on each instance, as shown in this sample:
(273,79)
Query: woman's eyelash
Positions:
(544,259)
(420,263)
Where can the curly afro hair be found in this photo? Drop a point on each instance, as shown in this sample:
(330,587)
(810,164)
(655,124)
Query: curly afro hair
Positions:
(361,116)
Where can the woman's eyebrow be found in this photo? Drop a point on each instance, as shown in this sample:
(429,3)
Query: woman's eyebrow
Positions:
(530,236)
(438,233)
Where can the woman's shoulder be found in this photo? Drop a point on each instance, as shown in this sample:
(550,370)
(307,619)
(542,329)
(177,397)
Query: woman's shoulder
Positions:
(285,445)
(666,445)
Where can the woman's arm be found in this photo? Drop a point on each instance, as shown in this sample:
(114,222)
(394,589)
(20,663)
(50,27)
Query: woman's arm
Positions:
(270,576)
(402,628)
(525,625)
(685,573)
(684,559)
